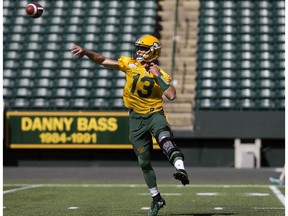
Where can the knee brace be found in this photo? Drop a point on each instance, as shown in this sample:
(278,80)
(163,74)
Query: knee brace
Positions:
(166,142)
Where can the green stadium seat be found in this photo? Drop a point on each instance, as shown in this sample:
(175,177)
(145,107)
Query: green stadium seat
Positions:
(100,93)
(206,93)
(17,103)
(266,93)
(118,103)
(9,73)
(79,103)
(264,104)
(227,83)
(81,92)
(227,74)
(46,74)
(24,82)
(7,92)
(39,103)
(42,92)
(62,93)
(226,104)
(246,93)
(23,92)
(98,103)
(8,82)
(59,103)
(207,83)
(246,104)
(247,83)
(205,103)
(44,82)
(206,74)
(63,82)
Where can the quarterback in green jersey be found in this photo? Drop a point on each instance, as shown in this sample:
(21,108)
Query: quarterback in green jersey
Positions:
(143,93)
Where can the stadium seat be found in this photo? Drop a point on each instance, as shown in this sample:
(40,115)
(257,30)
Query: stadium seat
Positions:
(39,103)
(60,103)
(205,104)
(246,93)
(98,103)
(7,92)
(81,92)
(62,92)
(18,103)
(206,93)
(42,92)
(246,104)
(79,103)
(23,92)
(63,82)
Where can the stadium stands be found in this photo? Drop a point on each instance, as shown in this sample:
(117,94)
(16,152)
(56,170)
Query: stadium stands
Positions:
(240,53)
(39,70)
(240,64)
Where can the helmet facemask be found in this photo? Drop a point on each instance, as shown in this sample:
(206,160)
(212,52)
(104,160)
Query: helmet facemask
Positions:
(153,53)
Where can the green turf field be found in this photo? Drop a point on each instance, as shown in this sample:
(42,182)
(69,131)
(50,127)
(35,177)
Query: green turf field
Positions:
(34,199)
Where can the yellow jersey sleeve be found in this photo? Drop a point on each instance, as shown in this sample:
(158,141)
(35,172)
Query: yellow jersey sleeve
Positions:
(141,92)
(123,63)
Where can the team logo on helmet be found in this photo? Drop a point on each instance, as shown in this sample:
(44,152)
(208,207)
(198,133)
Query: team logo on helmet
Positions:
(156,45)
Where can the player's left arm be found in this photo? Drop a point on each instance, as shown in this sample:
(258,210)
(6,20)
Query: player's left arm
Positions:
(168,89)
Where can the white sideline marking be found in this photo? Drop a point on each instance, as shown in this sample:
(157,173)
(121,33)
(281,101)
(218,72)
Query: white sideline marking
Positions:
(278,194)
(21,188)
(218,208)
(145,208)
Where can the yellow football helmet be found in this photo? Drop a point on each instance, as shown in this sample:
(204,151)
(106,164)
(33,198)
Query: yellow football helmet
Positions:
(153,44)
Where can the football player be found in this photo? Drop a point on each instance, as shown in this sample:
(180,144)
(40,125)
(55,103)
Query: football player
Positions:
(145,85)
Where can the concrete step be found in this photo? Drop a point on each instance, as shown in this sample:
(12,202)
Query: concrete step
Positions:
(182,98)
(180,120)
(178,107)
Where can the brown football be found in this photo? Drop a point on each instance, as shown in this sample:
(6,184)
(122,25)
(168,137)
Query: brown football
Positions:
(34,10)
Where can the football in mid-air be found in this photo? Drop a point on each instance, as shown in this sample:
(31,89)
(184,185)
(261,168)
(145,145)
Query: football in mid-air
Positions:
(34,10)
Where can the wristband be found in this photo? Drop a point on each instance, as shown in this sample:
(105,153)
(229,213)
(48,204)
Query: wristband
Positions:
(164,85)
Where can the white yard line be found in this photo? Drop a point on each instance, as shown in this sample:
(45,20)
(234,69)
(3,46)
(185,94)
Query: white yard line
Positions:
(139,185)
(278,194)
(21,188)
(73,207)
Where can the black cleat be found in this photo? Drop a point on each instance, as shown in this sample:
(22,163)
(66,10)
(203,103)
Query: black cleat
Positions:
(182,176)
(156,206)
